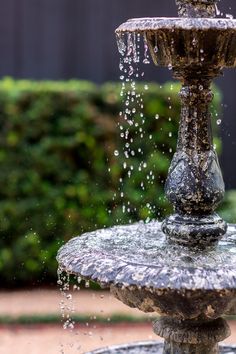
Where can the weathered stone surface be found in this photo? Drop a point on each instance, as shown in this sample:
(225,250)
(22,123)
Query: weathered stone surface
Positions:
(196,8)
(151,24)
(147,348)
(154,275)
(184,43)
(181,304)
(192,332)
(151,347)
(195,184)
(193,230)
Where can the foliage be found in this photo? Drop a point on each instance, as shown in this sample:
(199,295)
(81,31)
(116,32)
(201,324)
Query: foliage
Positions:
(227,209)
(57,142)
(77,318)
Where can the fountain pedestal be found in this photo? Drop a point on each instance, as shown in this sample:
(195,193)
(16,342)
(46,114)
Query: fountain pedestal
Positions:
(195,184)
(185,269)
(191,337)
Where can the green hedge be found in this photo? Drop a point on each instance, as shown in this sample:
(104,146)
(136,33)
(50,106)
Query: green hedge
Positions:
(57,142)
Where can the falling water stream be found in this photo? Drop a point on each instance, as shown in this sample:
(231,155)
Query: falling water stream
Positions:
(134,56)
(134,52)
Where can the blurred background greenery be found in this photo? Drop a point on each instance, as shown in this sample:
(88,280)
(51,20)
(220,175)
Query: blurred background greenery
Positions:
(59,175)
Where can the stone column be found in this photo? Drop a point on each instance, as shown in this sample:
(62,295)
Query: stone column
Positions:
(191,337)
(195,184)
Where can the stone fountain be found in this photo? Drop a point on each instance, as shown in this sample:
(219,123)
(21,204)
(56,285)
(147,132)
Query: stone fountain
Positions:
(184,269)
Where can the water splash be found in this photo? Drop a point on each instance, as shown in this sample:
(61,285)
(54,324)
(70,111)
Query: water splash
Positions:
(66,303)
(69,285)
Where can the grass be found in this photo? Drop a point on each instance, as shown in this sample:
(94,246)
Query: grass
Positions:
(81,319)
(57,319)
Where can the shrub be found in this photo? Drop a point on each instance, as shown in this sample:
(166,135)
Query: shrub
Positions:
(57,143)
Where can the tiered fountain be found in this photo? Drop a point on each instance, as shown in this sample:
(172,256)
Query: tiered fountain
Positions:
(183,269)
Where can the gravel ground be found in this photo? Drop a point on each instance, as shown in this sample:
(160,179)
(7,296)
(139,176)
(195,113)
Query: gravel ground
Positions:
(55,340)
(45,339)
(42,302)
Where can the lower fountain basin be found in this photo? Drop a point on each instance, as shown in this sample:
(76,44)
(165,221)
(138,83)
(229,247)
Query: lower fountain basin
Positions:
(143,270)
(152,347)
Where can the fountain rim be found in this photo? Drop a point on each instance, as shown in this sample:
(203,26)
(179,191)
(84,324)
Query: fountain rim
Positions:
(146,347)
(127,347)
(144,24)
(117,270)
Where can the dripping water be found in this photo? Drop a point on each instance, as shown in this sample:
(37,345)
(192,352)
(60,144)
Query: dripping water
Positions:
(134,52)
(68,286)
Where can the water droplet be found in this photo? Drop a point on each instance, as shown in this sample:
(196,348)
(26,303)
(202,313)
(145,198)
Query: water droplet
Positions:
(87,284)
(131,71)
(146,61)
(217,10)
(121,66)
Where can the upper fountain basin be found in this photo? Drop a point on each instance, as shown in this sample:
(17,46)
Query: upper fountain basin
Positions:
(187,42)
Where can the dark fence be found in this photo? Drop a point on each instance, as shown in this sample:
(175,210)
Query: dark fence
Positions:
(62,39)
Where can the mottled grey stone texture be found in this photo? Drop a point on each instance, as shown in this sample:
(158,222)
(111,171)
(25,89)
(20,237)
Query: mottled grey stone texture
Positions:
(139,255)
(146,271)
(180,331)
(148,348)
(151,347)
(150,24)
(195,185)
(196,8)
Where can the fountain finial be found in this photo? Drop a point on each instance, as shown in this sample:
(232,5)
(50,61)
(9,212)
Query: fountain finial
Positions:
(197,8)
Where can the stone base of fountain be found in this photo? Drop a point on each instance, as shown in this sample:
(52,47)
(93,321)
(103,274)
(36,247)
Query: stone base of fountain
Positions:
(151,347)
